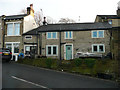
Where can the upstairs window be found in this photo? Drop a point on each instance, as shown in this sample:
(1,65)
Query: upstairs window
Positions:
(51,35)
(68,35)
(98,34)
(13,29)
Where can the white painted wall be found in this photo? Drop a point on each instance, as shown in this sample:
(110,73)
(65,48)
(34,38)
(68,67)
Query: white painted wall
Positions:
(29,23)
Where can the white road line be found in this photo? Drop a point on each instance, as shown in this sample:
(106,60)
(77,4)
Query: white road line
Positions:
(20,79)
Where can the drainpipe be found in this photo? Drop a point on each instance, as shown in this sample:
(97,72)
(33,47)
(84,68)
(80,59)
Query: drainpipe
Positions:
(37,41)
(3,25)
(60,44)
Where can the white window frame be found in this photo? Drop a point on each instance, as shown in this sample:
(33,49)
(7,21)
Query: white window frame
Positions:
(28,36)
(97,34)
(51,35)
(13,23)
(51,50)
(28,46)
(13,47)
(68,35)
(98,48)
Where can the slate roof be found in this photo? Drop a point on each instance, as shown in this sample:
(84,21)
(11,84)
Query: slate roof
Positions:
(109,16)
(15,16)
(70,27)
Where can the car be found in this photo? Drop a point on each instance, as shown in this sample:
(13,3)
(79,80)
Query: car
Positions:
(88,55)
(5,54)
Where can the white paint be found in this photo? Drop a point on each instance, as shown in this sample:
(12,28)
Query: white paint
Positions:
(68,35)
(98,48)
(29,23)
(20,79)
(97,33)
(28,46)
(51,50)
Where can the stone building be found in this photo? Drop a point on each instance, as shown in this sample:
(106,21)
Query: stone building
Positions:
(63,41)
(14,26)
(113,20)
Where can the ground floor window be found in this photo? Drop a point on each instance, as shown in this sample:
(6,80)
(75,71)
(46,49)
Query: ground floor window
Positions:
(98,48)
(51,50)
(30,49)
(13,46)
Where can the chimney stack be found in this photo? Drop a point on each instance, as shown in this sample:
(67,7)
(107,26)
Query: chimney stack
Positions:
(30,10)
(118,11)
(44,22)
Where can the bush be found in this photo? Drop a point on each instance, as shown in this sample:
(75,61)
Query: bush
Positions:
(48,62)
(90,62)
(78,62)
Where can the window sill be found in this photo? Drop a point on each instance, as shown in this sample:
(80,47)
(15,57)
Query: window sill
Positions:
(13,36)
(52,38)
(51,55)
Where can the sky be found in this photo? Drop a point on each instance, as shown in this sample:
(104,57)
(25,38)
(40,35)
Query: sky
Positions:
(56,9)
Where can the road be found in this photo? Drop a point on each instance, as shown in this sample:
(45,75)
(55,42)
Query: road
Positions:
(23,76)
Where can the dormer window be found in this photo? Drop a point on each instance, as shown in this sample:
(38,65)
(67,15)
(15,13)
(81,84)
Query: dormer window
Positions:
(110,21)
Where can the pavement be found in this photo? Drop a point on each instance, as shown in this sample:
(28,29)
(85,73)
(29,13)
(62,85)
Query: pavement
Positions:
(16,75)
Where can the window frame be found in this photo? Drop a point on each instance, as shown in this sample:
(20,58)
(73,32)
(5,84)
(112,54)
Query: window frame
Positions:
(98,48)
(28,36)
(51,35)
(68,34)
(51,50)
(97,33)
(13,27)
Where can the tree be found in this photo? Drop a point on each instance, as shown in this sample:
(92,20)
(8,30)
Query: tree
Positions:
(66,20)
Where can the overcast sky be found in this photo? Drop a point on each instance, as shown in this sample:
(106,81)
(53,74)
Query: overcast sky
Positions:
(86,9)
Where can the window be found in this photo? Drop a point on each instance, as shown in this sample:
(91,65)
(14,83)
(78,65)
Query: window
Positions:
(30,49)
(68,35)
(9,46)
(28,37)
(110,21)
(16,47)
(52,50)
(13,46)
(98,48)
(13,29)
(98,34)
(51,35)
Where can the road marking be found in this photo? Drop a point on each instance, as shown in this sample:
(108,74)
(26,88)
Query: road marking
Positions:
(20,79)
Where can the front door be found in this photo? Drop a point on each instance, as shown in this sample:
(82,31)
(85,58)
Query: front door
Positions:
(68,52)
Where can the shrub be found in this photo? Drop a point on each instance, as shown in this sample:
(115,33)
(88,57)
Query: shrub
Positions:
(90,62)
(78,62)
(48,62)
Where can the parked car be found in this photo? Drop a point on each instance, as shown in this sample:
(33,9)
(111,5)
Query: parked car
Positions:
(83,55)
(5,54)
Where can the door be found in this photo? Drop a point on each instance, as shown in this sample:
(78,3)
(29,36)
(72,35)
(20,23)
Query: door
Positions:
(68,52)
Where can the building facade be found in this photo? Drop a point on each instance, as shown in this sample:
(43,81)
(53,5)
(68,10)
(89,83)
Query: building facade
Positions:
(113,20)
(63,41)
(13,28)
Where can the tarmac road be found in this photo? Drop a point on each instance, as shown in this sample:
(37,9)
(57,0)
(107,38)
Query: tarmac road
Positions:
(23,76)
